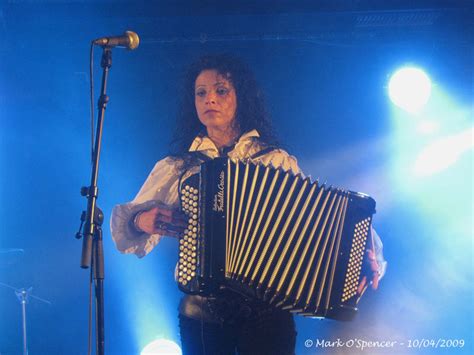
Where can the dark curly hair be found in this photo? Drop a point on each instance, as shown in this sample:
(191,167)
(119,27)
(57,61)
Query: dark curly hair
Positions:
(250,114)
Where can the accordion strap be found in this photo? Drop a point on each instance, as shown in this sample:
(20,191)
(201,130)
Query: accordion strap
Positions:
(263,152)
(200,156)
(204,158)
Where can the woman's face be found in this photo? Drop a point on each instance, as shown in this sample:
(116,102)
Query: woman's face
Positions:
(215,100)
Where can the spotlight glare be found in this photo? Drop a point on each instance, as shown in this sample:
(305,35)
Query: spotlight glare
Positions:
(161,347)
(427,127)
(410,89)
(443,153)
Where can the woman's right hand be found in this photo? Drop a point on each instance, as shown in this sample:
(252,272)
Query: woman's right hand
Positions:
(161,220)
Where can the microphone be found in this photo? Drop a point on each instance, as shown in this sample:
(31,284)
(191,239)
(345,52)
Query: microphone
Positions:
(129,40)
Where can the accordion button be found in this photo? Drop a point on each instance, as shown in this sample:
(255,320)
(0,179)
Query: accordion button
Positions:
(193,274)
(188,278)
(187,187)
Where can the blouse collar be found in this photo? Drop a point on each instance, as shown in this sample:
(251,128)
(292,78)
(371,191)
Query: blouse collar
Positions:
(204,143)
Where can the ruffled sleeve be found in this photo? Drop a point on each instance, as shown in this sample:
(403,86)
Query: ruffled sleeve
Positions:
(161,187)
(279,158)
(378,246)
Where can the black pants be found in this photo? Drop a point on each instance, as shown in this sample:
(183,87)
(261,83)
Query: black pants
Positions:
(243,327)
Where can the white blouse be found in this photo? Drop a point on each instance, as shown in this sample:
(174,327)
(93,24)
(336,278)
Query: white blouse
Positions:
(161,187)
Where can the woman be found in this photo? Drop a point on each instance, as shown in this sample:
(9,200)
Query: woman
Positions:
(222,115)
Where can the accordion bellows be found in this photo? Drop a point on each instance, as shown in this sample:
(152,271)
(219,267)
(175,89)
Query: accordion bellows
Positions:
(273,236)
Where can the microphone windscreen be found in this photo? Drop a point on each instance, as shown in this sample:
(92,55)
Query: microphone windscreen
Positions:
(133,38)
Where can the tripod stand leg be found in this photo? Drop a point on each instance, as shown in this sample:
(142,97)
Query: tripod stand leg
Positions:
(22,295)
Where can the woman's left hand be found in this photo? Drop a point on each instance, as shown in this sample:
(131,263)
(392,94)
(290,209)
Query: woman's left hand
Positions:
(374,269)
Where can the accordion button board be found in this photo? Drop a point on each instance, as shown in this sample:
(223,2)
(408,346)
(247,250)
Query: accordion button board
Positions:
(274,236)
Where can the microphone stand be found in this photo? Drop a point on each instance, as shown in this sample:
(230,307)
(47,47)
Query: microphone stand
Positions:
(92,247)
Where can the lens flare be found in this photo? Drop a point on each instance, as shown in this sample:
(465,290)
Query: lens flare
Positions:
(443,153)
(161,347)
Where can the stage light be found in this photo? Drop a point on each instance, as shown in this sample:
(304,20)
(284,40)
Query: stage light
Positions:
(161,347)
(410,89)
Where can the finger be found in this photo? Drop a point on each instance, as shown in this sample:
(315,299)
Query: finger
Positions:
(174,231)
(164,218)
(180,216)
(375,269)
(371,255)
(180,221)
(165,211)
(374,266)
(362,284)
(375,280)
(172,216)
(169,229)
(153,211)
(174,228)
(161,226)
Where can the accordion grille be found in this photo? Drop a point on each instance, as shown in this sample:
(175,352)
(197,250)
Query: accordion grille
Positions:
(361,231)
(188,243)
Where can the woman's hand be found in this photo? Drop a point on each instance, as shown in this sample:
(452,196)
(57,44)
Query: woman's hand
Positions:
(374,269)
(161,220)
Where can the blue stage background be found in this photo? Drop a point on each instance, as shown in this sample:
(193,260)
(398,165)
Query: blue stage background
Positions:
(324,69)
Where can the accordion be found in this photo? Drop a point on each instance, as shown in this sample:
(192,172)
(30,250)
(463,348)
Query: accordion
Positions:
(274,236)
